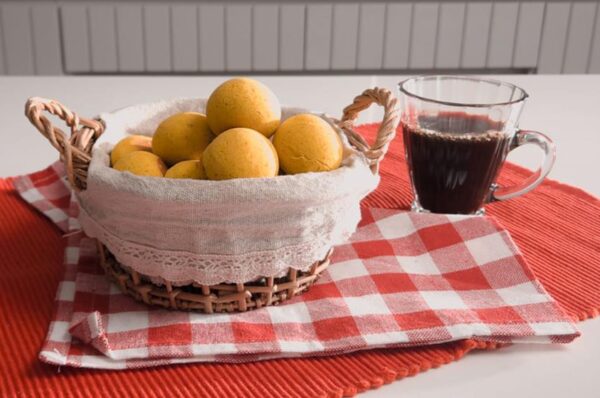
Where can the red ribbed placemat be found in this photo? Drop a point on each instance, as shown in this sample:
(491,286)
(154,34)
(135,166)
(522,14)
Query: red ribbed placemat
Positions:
(557,227)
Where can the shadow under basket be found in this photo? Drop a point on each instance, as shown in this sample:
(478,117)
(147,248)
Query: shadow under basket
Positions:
(76,154)
(225,297)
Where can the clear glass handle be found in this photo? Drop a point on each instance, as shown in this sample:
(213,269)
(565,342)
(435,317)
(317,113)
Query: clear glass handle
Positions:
(523,137)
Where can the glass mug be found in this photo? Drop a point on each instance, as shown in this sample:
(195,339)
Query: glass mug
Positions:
(457,133)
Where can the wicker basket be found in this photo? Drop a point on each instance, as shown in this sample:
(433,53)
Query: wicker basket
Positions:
(75,151)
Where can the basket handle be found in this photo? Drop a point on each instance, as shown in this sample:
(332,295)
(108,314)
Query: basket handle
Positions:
(75,151)
(387,129)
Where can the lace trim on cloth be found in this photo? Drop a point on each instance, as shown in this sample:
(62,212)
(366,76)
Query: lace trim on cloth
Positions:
(183,268)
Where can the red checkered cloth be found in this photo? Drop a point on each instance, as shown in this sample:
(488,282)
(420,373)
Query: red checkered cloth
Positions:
(403,279)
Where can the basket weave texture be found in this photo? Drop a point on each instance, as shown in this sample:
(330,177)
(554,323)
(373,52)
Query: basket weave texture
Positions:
(75,151)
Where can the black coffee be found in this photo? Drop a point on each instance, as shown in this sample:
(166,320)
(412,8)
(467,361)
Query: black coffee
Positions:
(454,158)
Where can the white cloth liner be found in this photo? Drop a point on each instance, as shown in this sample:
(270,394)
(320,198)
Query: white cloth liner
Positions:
(211,232)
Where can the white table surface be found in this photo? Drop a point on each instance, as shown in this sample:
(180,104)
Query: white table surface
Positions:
(564,107)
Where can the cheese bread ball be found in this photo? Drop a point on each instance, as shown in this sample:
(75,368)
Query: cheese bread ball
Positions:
(141,163)
(240,153)
(307,143)
(187,169)
(183,136)
(130,144)
(243,102)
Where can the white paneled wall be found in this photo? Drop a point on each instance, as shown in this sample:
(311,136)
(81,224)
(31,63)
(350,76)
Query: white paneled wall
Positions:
(317,42)
(184,29)
(478,17)
(238,37)
(19,54)
(423,35)
(211,31)
(292,20)
(265,37)
(528,34)
(130,34)
(76,40)
(503,28)
(579,38)
(344,49)
(188,36)
(47,47)
(103,37)
(30,39)
(396,46)
(450,35)
(371,36)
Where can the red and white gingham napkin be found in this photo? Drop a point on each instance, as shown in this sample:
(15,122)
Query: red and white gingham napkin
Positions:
(403,279)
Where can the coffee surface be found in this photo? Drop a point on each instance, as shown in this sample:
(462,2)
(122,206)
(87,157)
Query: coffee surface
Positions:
(454,158)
